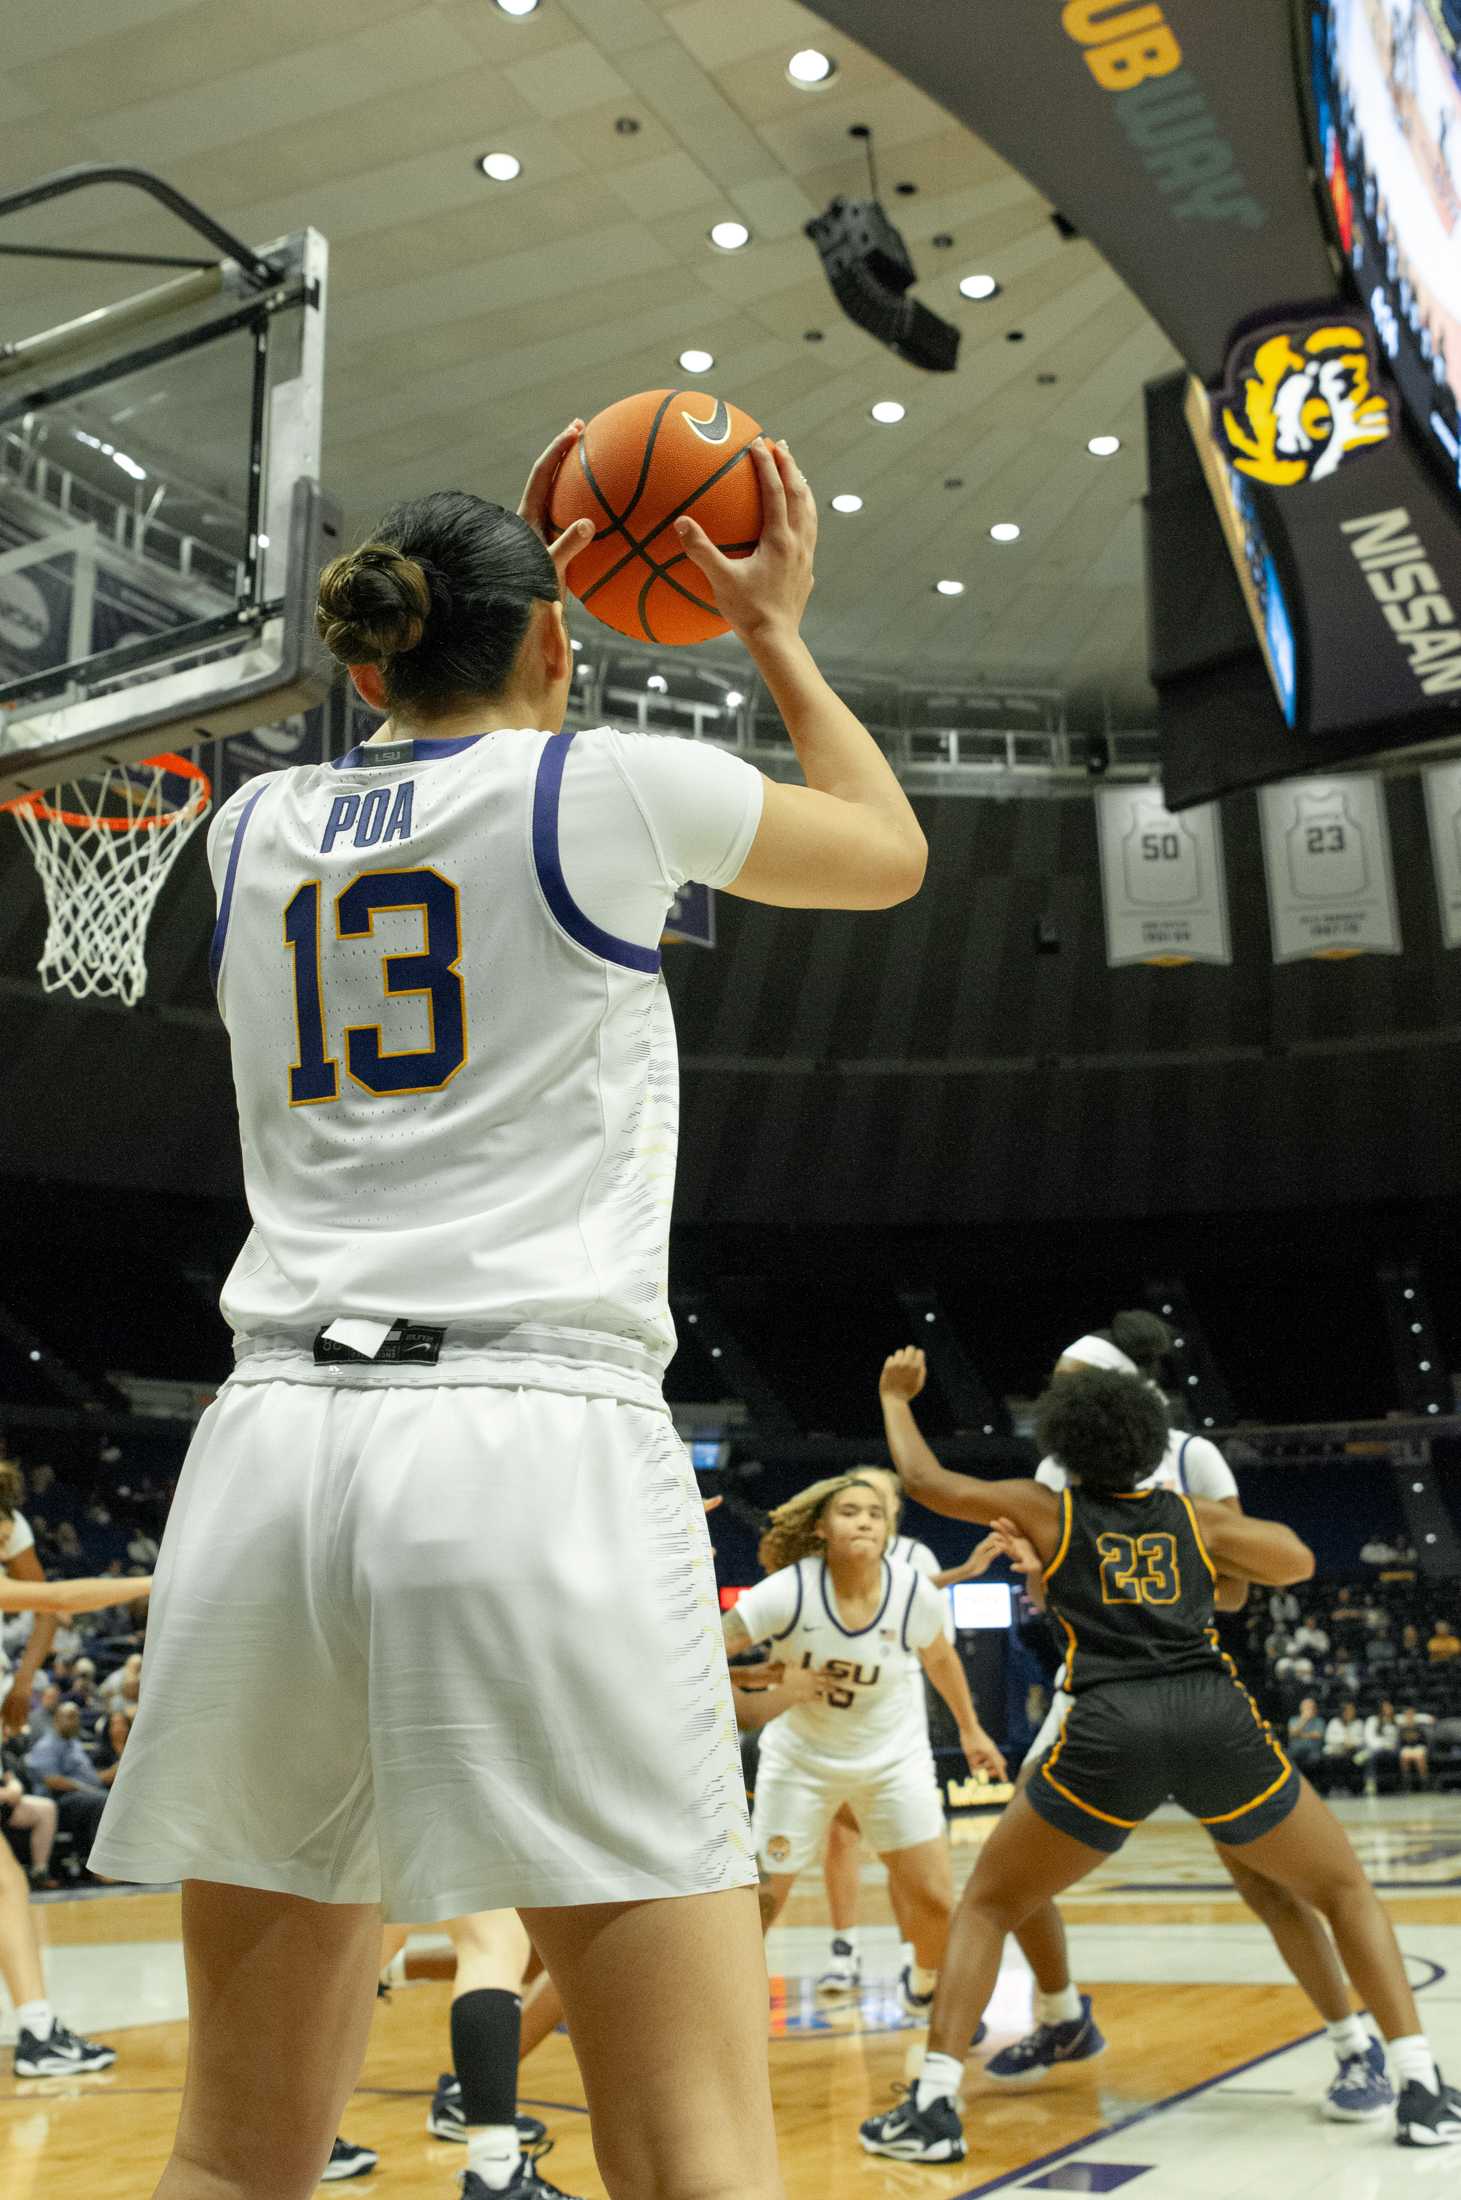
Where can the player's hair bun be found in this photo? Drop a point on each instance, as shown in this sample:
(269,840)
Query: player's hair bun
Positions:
(373,605)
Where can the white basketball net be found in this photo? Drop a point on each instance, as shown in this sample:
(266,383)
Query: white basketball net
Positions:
(104,846)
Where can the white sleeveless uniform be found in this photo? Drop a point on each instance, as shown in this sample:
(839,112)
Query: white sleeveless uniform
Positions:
(437,1544)
(1192,1464)
(866,1743)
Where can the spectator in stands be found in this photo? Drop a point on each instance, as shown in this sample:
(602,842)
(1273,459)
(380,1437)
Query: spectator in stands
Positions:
(44,1705)
(124,1686)
(1414,1738)
(1299,1668)
(1342,1674)
(83,1691)
(1380,1647)
(142,1549)
(1412,1649)
(1306,1736)
(1345,1756)
(68,1543)
(32,1815)
(1311,1637)
(1382,1745)
(1283,1608)
(1345,1613)
(1444,1643)
(41,1479)
(111,1744)
(63,1768)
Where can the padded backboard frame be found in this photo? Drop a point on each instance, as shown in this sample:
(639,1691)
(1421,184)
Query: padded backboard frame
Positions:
(237,663)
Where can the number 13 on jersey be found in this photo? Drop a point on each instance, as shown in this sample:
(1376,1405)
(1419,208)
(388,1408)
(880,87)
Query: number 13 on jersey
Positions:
(430,972)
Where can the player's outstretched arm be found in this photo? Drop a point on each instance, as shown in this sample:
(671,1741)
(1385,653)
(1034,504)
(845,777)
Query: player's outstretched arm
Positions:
(849,838)
(1258,1550)
(86,1595)
(1034,1510)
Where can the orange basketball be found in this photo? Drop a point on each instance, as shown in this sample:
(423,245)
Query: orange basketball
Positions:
(638,465)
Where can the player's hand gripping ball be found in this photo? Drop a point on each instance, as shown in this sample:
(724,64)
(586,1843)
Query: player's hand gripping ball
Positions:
(635,469)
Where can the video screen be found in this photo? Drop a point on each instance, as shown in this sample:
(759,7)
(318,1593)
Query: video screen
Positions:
(979,1604)
(1387,87)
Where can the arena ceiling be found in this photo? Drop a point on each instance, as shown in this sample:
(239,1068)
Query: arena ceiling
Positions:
(469,319)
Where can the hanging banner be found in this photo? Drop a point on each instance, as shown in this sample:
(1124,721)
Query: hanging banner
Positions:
(1443,812)
(1326,852)
(691,920)
(1162,880)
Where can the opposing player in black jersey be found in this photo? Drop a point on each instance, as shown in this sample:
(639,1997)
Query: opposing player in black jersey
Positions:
(1159,1712)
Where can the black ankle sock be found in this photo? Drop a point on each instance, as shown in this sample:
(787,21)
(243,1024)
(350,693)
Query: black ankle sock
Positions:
(486,2027)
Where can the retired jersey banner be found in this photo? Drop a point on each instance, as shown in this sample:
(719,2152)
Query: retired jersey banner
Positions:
(1326,851)
(1162,880)
(1443,813)
(691,920)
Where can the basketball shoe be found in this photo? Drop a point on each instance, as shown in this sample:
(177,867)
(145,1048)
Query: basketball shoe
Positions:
(1049,2045)
(1360,2089)
(1426,2119)
(843,1974)
(348,2161)
(912,2134)
(445,2120)
(61,2054)
(524,2180)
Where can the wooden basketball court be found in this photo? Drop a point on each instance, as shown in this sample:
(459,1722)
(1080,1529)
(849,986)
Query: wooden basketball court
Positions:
(1210,2084)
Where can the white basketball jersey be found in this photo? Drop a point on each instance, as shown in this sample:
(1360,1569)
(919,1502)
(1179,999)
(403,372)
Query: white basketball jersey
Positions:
(457,1093)
(870,1714)
(1190,1464)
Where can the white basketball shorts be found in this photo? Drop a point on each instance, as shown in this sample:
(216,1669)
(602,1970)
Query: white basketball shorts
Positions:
(447,1648)
(897,1803)
(1049,1732)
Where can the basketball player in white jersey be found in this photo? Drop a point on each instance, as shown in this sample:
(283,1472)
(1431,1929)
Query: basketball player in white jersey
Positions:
(1065,2030)
(837,1604)
(842,1862)
(440,1507)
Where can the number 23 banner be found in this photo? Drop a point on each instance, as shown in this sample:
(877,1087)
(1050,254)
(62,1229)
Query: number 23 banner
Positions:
(1162,880)
(1326,852)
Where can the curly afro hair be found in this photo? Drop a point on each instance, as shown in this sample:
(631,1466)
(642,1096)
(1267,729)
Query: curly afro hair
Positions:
(1109,1431)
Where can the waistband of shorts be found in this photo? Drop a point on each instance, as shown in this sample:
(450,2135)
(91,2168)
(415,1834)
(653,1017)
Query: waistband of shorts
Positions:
(518,1356)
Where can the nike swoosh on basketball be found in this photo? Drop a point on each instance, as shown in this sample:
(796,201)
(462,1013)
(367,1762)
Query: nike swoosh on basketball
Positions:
(714,430)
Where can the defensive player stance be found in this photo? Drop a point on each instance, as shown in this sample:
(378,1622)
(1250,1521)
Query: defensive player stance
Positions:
(1065,2030)
(1158,1712)
(44,2048)
(841,1865)
(836,1602)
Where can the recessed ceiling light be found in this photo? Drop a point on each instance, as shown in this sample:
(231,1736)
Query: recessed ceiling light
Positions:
(517,7)
(658,683)
(979,286)
(730,236)
(887,410)
(949,588)
(697,362)
(847,504)
(733,698)
(809,68)
(1005,530)
(501,167)
(1104,446)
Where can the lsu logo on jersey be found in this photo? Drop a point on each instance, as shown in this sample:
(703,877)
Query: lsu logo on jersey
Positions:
(1299,400)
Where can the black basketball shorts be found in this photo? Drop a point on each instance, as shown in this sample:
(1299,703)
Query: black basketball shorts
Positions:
(1197,1739)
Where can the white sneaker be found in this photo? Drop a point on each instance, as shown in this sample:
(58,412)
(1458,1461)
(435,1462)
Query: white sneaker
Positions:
(843,1974)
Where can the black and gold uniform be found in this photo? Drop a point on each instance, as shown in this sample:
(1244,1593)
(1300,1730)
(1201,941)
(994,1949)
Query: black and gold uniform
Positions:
(1159,1711)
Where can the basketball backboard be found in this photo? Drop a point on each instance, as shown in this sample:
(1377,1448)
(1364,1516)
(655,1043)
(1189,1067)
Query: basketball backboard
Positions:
(161,521)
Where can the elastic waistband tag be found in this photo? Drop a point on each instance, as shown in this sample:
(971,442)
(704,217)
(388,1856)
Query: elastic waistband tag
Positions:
(410,1344)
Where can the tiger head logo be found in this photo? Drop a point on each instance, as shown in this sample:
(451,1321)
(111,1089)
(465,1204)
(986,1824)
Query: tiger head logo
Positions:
(1299,401)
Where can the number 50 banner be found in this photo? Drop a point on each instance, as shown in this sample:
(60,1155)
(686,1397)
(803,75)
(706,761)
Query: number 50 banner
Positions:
(1326,850)
(1162,880)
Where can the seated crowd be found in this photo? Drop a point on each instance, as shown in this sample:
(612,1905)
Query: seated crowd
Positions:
(1363,1684)
(55,1775)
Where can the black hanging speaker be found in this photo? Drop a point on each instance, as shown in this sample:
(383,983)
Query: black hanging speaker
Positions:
(870,269)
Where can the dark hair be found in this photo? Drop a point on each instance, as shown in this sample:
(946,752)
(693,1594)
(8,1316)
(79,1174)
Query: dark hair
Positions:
(440,598)
(1108,1432)
(1143,1337)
